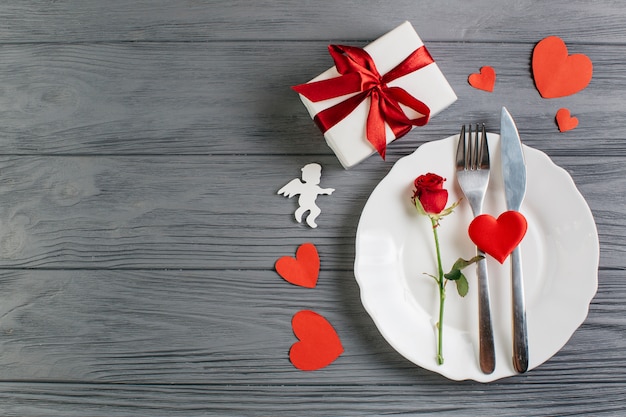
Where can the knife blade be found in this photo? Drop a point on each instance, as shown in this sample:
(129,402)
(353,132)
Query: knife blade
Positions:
(514,176)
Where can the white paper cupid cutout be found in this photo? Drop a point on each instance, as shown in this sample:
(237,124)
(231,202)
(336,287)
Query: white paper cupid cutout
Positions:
(308,190)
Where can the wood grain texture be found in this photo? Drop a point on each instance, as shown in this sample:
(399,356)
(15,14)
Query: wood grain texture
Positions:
(245,20)
(73,340)
(182,98)
(142,146)
(466,400)
(233,327)
(210,212)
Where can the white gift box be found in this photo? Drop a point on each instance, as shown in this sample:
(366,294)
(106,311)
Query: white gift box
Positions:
(348,137)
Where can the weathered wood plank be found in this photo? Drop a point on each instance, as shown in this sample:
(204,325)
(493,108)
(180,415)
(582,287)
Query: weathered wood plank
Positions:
(100,400)
(212,212)
(233,98)
(191,20)
(233,327)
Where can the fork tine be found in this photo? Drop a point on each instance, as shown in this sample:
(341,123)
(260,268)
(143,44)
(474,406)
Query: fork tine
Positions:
(460,150)
(473,149)
(484,150)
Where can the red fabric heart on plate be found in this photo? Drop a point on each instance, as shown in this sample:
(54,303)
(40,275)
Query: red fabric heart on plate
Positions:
(303,270)
(556,73)
(565,121)
(318,345)
(498,237)
(484,80)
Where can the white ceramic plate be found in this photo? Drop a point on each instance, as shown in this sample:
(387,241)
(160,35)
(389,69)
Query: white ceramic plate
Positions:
(395,248)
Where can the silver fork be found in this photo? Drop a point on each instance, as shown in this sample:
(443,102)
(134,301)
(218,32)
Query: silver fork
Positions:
(472,173)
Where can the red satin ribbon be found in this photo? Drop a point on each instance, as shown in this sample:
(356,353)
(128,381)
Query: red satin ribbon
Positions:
(359,75)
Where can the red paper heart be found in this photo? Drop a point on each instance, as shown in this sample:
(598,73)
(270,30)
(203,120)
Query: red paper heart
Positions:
(565,121)
(319,343)
(498,237)
(556,73)
(484,80)
(303,270)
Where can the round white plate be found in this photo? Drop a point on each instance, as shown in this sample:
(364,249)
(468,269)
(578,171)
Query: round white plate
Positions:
(395,251)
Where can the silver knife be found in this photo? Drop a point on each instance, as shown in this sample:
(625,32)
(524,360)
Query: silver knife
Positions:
(514,175)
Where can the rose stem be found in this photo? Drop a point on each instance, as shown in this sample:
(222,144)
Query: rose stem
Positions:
(442,293)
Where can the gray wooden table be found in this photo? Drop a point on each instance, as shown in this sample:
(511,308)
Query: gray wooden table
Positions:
(143,143)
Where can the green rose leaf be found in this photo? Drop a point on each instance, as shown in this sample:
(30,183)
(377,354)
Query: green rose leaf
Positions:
(462,287)
(453,275)
(462,263)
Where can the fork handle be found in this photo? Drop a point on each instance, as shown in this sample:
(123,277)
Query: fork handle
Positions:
(520,337)
(487,354)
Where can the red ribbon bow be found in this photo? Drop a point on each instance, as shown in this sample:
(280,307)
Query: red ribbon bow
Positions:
(359,75)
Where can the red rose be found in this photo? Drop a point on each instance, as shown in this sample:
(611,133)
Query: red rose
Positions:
(430,193)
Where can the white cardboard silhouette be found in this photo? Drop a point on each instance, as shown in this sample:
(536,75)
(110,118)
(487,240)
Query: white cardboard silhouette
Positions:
(308,190)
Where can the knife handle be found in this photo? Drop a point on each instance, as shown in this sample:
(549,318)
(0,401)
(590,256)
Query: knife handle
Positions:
(487,354)
(520,336)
